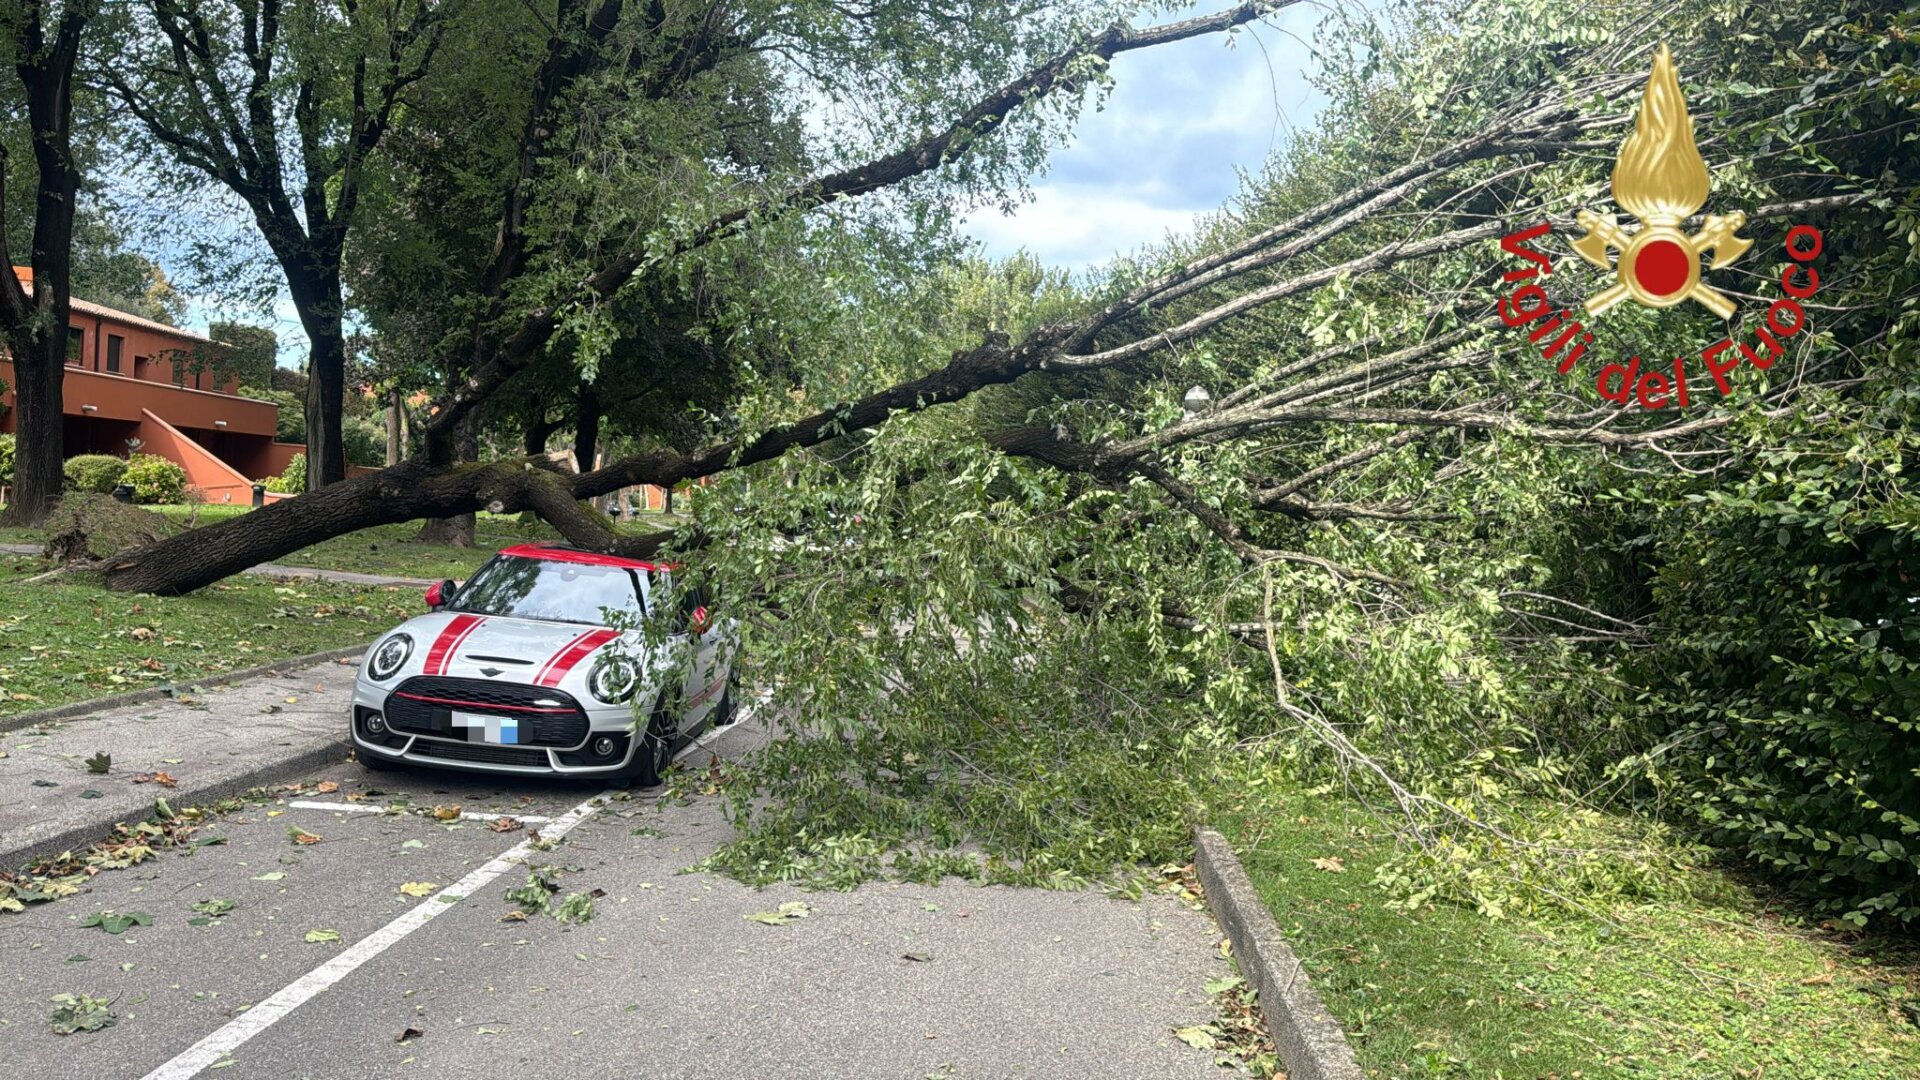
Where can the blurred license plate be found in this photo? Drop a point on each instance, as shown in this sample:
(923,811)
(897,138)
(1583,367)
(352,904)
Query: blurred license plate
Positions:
(481,728)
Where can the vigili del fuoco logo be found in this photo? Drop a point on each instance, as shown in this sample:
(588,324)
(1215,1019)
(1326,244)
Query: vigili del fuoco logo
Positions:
(1661,179)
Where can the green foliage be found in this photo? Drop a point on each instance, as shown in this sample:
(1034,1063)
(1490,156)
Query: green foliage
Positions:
(290,424)
(155,479)
(251,358)
(94,474)
(292,480)
(81,1013)
(6,458)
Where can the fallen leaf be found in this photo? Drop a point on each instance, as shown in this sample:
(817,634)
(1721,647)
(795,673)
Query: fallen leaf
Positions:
(216,907)
(788,912)
(327,787)
(1825,978)
(315,937)
(410,1033)
(418,888)
(446,813)
(163,779)
(275,875)
(301,836)
(114,922)
(504,824)
(99,763)
(1200,1036)
(514,916)
(1331,866)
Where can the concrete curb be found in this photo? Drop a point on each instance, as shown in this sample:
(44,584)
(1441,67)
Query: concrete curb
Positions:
(141,697)
(1310,1041)
(25,845)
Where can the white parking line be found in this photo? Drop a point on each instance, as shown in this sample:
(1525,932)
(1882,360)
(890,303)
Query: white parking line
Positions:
(362,808)
(224,1041)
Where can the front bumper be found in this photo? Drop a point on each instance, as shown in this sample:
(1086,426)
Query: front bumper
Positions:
(416,748)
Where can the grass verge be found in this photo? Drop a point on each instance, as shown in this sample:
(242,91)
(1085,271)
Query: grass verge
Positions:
(1725,984)
(70,640)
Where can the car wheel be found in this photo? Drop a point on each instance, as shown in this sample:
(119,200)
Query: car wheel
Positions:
(655,753)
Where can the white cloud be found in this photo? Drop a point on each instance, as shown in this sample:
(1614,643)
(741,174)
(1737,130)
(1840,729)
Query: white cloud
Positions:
(1078,225)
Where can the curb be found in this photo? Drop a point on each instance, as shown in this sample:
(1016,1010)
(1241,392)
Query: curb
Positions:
(141,697)
(316,754)
(1310,1041)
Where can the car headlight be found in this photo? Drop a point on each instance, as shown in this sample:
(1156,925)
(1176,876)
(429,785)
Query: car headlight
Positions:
(388,656)
(612,679)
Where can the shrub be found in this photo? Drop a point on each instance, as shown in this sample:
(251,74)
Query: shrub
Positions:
(95,473)
(156,480)
(6,459)
(293,481)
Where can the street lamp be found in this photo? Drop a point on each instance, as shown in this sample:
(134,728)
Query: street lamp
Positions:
(1197,401)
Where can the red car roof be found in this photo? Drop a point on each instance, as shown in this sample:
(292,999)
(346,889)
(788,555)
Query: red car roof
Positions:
(589,558)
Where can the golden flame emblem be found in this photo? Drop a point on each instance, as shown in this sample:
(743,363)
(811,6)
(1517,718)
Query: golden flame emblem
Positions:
(1661,179)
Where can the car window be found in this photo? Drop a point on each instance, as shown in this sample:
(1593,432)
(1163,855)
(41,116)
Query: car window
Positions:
(552,591)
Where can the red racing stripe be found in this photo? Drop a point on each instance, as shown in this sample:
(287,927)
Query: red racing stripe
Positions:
(575,651)
(451,636)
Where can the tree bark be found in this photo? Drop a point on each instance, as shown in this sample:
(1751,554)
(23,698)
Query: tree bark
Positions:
(35,329)
(315,287)
(586,428)
(457,529)
(396,431)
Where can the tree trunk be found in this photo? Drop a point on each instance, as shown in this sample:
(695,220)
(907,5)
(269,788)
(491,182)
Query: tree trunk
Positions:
(39,450)
(456,530)
(314,283)
(586,428)
(396,429)
(35,330)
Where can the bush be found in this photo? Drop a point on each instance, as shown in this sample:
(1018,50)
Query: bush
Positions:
(156,480)
(6,459)
(94,473)
(291,482)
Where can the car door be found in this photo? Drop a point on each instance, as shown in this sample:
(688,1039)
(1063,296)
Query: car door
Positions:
(706,676)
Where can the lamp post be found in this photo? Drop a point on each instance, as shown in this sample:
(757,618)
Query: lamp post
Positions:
(1196,402)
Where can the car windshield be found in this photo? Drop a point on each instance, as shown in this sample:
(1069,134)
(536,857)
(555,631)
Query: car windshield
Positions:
(551,591)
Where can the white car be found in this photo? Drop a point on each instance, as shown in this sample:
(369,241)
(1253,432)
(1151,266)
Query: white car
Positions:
(538,666)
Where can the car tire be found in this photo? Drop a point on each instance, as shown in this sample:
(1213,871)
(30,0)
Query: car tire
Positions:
(655,753)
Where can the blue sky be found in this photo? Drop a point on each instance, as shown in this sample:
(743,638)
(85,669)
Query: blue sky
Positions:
(1181,121)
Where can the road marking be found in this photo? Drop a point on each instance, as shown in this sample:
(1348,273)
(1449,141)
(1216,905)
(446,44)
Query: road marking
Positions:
(224,1041)
(361,808)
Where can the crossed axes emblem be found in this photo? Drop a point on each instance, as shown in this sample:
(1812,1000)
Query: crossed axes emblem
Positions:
(1660,265)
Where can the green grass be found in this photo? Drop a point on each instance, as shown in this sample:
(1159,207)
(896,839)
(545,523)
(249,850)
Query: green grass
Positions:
(1726,985)
(69,640)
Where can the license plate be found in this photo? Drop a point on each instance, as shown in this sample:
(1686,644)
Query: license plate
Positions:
(480,728)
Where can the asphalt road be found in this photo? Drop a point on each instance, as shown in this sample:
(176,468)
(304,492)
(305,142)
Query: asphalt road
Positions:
(669,978)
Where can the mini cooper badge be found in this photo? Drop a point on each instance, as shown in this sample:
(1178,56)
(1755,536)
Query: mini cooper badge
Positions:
(1661,179)
(489,672)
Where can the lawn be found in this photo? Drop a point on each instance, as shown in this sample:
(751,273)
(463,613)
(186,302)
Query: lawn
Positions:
(1727,985)
(69,640)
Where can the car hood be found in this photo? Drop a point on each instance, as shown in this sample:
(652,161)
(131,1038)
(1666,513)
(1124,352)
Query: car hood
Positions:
(517,650)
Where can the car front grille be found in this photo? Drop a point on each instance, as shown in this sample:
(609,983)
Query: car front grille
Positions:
(546,717)
(489,755)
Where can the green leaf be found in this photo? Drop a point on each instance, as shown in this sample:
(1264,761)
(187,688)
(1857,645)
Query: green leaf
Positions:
(315,937)
(788,912)
(81,1013)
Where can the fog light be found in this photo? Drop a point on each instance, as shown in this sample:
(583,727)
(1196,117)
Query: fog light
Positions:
(603,746)
(375,724)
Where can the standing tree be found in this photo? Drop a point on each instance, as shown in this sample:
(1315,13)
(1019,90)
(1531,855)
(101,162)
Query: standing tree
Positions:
(43,41)
(285,108)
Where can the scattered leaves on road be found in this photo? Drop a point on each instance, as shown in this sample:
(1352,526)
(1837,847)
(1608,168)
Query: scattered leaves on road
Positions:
(504,824)
(163,779)
(315,937)
(417,889)
(271,875)
(576,908)
(446,813)
(327,787)
(216,907)
(99,763)
(81,1013)
(117,922)
(788,912)
(301,836)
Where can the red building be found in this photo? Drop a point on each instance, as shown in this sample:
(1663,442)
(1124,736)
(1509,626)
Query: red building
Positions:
(138,386)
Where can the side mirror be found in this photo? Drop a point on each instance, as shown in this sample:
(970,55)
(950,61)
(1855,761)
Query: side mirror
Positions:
(700,622)
(440,593)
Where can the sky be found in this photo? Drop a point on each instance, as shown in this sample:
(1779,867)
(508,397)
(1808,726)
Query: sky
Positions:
(1180,123)
(1181,119)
